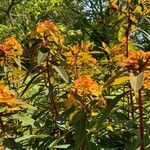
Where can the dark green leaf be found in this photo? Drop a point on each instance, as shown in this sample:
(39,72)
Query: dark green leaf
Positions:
(80,132)
(107,111)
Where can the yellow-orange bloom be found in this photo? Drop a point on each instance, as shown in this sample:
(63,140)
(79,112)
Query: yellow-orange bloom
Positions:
(79,54)
(85,85)
(14,46)
(146,81)
(44,27)
(135,60)
(4,93)
(8,98)
(49,32)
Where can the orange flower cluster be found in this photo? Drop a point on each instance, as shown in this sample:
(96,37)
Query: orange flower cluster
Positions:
(4,50)
(146,81)
(49,32)
(11,47)
(44,27)
(5,93)
(8,98)
(119,48)
(137,60)
(79,54)
(85,85)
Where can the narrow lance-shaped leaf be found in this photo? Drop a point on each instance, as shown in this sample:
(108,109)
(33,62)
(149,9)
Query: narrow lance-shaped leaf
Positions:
(107,111)
(80,132)
(64,146)
(26,137)
(30,82)
(41,57)
(122,30)
(120,80)
(62,73)
(111,80)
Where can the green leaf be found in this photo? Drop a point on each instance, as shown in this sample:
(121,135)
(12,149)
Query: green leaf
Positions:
(18,62)
(44,143)
(3,108)
(133,146)
(54,143)
(122,30)
(64,146)
(80,131)
(11,144)
(106,47)
(3,26)
(112,79)
(41,57)
(26,137)
(131,45)
(138,9)
(106,112)
(24,119)
(30,82)
(62,73)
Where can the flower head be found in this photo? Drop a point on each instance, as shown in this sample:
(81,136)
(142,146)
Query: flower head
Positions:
(79,54)
(137,60)
(46,26)
(85,85)
(49,32)
(8,98)
(4,50)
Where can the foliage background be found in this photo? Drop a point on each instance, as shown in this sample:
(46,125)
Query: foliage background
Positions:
(65,69)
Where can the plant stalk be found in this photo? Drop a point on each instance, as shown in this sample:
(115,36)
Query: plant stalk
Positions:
(51,94)
(141,126)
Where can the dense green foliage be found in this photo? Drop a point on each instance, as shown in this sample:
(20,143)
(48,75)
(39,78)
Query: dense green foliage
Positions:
(74,74)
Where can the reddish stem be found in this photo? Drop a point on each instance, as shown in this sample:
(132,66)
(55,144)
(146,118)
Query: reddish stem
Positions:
(51,94)
(141,126)
(1,124)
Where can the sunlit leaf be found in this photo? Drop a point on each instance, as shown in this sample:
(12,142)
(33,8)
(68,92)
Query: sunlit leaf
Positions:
(27,137)
(41,57)
(138,9)
(64,146)
(111,80)
(106,47)
(122,30)
(109,127)
(120,80)
(136,81)
(24,119)
(62,73)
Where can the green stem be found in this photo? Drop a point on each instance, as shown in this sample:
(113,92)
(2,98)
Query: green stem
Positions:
(132,103)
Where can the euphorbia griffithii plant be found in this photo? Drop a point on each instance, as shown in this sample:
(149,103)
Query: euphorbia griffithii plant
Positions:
(79,59)
(85,88)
